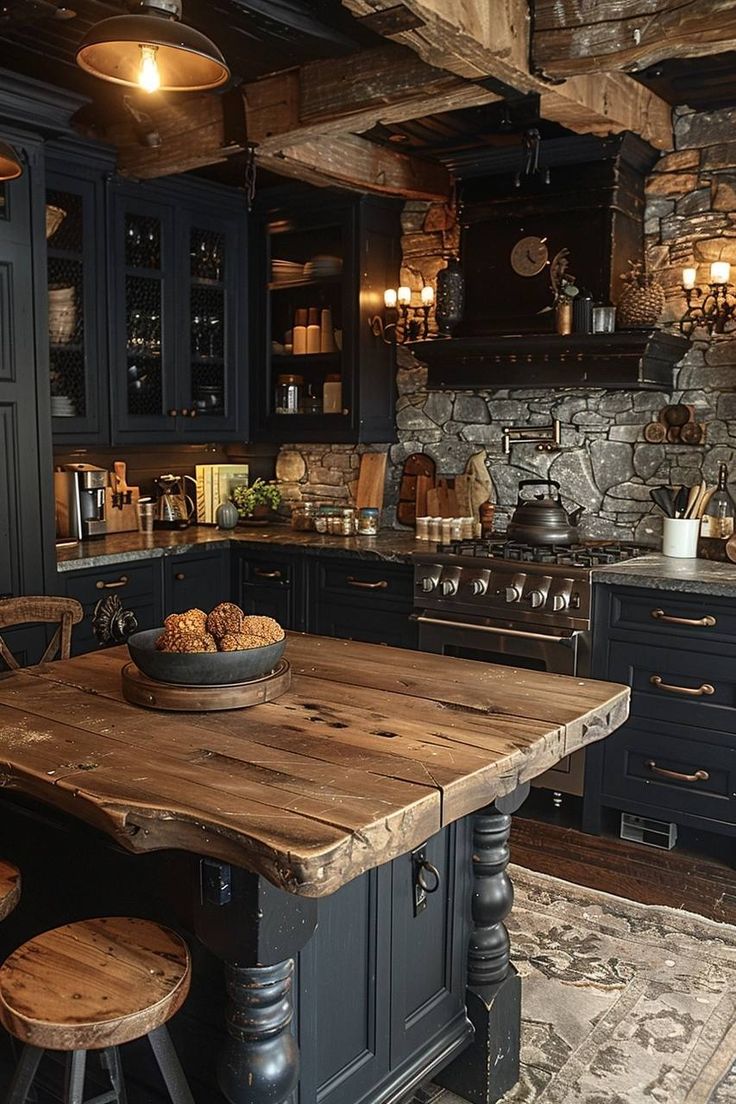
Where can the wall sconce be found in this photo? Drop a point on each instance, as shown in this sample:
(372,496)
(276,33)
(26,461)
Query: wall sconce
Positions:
(402,322)
(711,307)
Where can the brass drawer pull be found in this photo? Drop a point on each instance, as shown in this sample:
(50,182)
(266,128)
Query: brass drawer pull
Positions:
(698,692)
(380,585)
(267,574)
(706,622)
(121,582)
(180,576)
(699,776)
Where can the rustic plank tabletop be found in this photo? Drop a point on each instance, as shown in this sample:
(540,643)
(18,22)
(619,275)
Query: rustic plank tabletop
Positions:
(370,752)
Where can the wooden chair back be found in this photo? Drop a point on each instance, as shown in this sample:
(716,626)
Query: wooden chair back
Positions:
(46,609)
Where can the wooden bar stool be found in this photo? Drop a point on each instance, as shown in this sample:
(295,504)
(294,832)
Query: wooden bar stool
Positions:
(93,985)
(9,888)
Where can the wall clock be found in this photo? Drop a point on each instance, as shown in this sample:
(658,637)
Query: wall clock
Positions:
(529,256)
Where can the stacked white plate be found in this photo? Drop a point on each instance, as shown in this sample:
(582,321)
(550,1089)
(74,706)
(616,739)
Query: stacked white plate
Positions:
(62,407)
(62,315)
(322,267)
(286,272)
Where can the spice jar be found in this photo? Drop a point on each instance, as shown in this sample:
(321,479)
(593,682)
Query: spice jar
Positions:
(303,517)
(435,529)
(422,528)
(368,521)
(332,395)
(289,394)
(348,521)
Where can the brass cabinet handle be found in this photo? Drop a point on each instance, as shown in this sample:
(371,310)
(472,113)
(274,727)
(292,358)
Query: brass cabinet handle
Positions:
(267,574)
(179,576)
(706,622)
(699,776)
(121,582)
(380,585)
(173,413)
(706,688)
(185,412)
(192,412)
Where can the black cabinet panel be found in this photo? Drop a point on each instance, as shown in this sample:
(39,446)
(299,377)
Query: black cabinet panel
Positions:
(662,614)
(271,584)
(362,600)
(138,585)
(196,580)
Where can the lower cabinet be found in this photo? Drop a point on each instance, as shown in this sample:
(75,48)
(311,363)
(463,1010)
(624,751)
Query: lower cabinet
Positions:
(362,600)
(675,758)
(196,580)
(137,584)
(271,584)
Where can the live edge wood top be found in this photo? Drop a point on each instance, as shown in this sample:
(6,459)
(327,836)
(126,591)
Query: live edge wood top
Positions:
(369,753)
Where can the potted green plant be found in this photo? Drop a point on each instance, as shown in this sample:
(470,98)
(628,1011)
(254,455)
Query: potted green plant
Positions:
(257,503)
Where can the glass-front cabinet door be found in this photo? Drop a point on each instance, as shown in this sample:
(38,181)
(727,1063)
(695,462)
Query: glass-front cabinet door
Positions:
(144,344)
(76,299)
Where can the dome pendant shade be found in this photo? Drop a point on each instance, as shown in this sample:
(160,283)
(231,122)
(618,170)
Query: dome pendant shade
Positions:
(10,163)
(187,60)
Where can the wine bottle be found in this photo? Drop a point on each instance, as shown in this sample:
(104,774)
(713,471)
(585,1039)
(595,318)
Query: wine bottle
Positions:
(719,514)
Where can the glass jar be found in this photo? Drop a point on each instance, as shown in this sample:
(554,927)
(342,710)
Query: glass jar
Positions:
(422,528)
(332,395)
(348,521)
(303,517)
(289,394)
(368,521)
(312,403)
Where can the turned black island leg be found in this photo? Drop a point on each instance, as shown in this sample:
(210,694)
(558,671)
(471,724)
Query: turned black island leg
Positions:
(256,930)
(489,1067)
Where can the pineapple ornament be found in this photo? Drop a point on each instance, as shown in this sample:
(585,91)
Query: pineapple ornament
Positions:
(642,301)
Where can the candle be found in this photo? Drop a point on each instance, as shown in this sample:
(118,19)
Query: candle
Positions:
(404,296)
(427,296)
(720,272)
(689,276)
(389,297)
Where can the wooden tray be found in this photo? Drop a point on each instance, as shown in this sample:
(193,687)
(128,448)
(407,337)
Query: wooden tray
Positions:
(139,689)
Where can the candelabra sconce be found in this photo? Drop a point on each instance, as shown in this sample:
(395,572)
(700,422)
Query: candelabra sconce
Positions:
(712,307)
(403,322)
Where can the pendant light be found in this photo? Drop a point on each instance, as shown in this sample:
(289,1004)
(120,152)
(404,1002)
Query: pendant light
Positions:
(10,163)
(153,50)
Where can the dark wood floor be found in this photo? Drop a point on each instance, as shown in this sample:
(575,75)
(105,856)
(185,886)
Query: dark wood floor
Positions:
(697,875)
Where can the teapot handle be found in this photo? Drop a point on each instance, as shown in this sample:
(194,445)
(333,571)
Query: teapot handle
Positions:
(540,483)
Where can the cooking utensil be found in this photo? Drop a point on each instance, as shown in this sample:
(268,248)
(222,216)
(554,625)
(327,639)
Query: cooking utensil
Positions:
(664,497)
(696,493)
(543,519)
(681,501)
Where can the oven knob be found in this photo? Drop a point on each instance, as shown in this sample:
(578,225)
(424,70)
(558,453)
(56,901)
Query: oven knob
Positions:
(559,602)
(448,587)
(478,586)
(536,599)
(427,584)
(512,594)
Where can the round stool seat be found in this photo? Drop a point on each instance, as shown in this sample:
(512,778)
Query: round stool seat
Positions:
(9,888)
(93,984)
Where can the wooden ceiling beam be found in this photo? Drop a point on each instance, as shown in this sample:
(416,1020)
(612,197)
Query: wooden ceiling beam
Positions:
(349,161)
(475,39)
(578,36)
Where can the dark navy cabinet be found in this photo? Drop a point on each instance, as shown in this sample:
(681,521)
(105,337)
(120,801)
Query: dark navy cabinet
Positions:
(368,600)
(271,584)
(136,583)
(198,579)
(675,759)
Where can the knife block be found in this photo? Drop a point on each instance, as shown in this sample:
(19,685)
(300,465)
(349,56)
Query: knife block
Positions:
(121,515)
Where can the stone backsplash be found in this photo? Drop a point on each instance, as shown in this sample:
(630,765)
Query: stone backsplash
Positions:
(605,464)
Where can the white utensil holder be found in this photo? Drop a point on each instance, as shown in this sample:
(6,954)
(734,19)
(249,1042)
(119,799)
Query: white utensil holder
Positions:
(680,537)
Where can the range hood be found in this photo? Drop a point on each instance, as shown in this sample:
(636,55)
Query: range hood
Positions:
(591,212)
(631,360)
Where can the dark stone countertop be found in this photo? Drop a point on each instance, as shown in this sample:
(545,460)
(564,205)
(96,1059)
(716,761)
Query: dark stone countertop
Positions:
(666,573)
(390,545)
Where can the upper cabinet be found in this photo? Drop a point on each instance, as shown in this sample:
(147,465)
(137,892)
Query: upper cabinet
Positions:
(178,312)
(320,266)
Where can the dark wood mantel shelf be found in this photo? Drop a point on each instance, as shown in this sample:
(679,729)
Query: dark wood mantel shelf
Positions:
(631,360)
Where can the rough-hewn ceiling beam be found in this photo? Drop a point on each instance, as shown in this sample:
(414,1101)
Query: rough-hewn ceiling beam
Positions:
(580,36)
(349,161)
(476,39)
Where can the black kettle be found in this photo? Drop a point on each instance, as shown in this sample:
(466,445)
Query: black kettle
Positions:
(543,519)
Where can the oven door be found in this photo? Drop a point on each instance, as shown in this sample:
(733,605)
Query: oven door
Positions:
(535,649)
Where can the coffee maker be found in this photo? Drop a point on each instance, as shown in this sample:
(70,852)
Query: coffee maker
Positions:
(79,490)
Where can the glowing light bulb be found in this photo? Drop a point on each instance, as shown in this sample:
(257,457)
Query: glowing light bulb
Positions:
(427,295)
(149,77)
(390,298)
(404,296)
(689,276)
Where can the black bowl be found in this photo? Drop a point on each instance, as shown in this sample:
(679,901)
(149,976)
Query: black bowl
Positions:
(202,668)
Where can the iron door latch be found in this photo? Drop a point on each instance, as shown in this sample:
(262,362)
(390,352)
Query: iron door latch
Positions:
(425,878)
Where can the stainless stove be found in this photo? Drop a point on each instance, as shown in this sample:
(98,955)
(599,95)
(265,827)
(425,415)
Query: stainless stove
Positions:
(516,604)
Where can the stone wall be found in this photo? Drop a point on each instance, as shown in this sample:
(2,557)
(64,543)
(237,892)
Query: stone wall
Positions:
(605,465)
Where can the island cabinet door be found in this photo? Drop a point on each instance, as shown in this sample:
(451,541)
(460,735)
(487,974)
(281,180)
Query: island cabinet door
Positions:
(343,994)
(429,946)
(197,580)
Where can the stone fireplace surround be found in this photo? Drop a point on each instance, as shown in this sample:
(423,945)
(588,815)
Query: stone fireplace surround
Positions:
(605,464)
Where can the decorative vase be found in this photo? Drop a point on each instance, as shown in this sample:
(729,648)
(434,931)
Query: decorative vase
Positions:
(226,515)
(450,303)
(563,315)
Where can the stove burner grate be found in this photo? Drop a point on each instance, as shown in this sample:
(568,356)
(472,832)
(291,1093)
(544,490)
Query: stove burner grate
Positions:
(594,554)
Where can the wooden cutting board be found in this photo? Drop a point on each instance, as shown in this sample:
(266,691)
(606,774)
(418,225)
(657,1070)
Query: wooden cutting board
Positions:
(121,517)
(371,480)
(417,467)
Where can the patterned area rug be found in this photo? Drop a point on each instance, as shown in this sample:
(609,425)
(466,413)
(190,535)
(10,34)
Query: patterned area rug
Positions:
(621,1003)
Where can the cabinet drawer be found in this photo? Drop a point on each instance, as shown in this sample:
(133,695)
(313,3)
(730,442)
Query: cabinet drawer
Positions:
(195,581)
(696,688)
(697,619)
(268,571)
(700,778)
(128,580)
(379,584)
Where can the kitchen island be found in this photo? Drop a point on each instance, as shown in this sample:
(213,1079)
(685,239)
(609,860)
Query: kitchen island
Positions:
(260,819)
